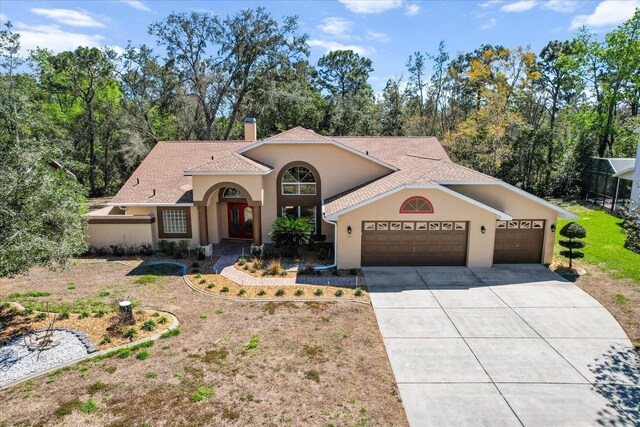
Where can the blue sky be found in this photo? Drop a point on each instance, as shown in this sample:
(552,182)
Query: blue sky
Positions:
(387,31)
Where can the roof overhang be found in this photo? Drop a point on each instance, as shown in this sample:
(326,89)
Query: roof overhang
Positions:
(319,142)
(626,172)
(149,204)
(196,173)
(562,213)
(500,215)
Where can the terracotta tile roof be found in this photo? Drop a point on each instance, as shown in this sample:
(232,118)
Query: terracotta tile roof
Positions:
(233,162)
(163,170)
(413,170)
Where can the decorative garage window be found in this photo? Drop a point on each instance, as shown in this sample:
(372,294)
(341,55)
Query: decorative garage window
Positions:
(415,205)
(520,224)
(174,223)
(232,193)
(298,180)
(308,212)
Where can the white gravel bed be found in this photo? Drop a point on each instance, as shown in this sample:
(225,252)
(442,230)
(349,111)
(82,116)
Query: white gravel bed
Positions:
(17,362)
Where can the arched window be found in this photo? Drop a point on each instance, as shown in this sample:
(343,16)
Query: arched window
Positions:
(415,205)
(232,193)
(298,180)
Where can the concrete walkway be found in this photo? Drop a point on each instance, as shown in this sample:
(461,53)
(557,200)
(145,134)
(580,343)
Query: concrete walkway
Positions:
(507,346)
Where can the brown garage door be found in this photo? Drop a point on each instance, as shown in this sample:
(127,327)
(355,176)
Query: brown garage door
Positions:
(414,243)
(519,241)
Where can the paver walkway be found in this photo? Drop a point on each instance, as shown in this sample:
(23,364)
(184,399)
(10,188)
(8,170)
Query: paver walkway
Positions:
(506,346)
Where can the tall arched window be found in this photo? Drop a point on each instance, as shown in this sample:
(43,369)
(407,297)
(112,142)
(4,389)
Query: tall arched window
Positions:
(298,180)
(416,204)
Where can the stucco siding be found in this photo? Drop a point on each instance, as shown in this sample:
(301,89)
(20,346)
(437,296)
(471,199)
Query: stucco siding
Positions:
(516,205)
(251,183)
(339,171)
(101,235)
(446,208)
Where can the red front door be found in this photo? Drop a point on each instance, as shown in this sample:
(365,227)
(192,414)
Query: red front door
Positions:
(240,220)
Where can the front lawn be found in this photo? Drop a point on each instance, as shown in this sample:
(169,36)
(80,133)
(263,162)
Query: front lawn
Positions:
(233,363)
(605,243)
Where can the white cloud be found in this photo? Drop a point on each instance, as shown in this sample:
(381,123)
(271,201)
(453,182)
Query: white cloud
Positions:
(330,45)
(337,27)
(70,17)
(561,5)
(53,38)
(411,9)
(520,6)
(491,3)
(607,13)
(136,4)
(371,6)
(378,36)
(490,23)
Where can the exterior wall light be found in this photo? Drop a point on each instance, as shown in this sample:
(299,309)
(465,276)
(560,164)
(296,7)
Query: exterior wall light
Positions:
(553,228)
(349,230)
(483,229)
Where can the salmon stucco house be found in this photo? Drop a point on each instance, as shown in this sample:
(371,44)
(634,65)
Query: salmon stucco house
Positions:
(380,200)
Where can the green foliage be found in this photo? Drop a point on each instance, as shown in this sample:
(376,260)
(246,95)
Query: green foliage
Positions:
(253,342)
(202,393)
(148,325)
(318,292)
(312,375)
(279,292)
(30,294)
(358,292)
(152,375)
(170,333)
(130,333)
(142,355)
(88,407)
(339,292)
(290,233)
(573,231)
(631,225)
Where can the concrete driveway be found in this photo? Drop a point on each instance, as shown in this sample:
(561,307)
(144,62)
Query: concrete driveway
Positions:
(507,346)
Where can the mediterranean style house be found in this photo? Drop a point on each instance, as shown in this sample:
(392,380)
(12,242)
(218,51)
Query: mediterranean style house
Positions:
(380,200)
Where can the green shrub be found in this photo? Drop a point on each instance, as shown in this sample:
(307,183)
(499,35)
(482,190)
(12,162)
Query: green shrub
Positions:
(171,333)
(105,340)
(219,311)
(224,289)
(130,333)
(104,293)
(318,292)
(30,294)
(339,292)
(202,281)
(253,342)
(142,355)
(200,254)
(290,233)
(83,314)
(242,261)
(358,292)
(162,320)
(123,353)
(261,292)
(143,344)
(100,313)
(88,407)
(148,325)
(574,232)
(210,285)
(257,263)
(40,316)
(312,375)
(298,292)
(280,292)
(242,292)
(152,374)
(274,268)
(71,286)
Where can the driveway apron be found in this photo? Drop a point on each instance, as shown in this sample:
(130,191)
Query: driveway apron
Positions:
(513,345)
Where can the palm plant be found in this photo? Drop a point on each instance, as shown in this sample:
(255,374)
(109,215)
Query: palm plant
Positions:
(289,233)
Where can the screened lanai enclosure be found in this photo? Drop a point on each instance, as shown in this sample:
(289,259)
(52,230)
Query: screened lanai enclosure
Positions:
(605,181)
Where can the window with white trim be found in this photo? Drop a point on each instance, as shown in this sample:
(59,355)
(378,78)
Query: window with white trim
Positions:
(297,181)
(174,221)
(308,212)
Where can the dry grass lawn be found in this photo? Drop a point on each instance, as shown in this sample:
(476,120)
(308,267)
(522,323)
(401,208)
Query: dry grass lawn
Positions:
(234,363)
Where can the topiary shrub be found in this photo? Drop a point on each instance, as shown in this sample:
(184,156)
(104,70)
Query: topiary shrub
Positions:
(290,233)
(574,232)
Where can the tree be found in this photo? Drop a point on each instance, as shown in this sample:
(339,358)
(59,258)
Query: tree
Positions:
(574,232)
(42,207)
(392,109)
(290,233)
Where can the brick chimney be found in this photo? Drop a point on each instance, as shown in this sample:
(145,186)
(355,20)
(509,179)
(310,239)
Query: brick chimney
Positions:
(250,131)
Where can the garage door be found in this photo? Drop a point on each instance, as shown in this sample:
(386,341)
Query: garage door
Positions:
(519,241)
(414,243)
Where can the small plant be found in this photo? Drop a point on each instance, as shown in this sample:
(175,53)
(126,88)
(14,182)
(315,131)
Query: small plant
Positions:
(202,281)
(242,261)
(130,333)
(318,292)
(197,276)
(358,292)
(242,292)
(40,316)
(83,314)
(202,393)
(312,375)
(171,333)
(105,340)
(253,342)
(203,317)
(142,355)
(280,292)
(148,325)
(339,293)
(620,299)
(123,353)
(30,294)
(245,267)
(219,311)
(104,293)
(210,285)
(261,292)
(100,313)
(71,286)
(257,263)
(152,374)
(298,292)
(117,250)
(574,232)
(224,289)
(289,233)
(274,268)
(162,320)
(64,313)
(88,407)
